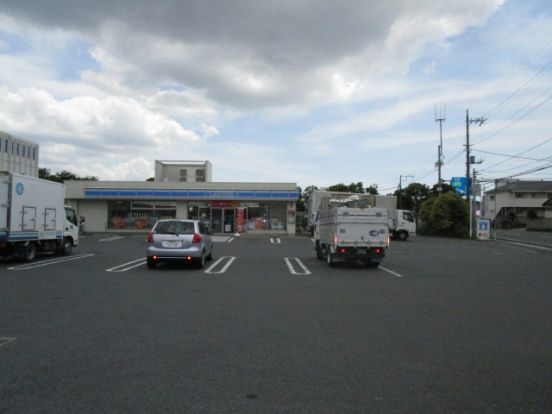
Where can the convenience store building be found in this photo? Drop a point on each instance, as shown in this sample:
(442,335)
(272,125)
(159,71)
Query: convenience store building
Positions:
(184,189)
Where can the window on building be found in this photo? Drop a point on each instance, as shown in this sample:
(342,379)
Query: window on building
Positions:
(519,195)
(200,176)
(183,175)
(34,154)
(18,149)
(139,215)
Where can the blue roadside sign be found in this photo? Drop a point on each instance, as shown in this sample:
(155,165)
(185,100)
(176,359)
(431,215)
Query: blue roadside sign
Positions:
(459,184)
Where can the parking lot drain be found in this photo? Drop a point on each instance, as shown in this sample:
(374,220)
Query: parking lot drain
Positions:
(251,396)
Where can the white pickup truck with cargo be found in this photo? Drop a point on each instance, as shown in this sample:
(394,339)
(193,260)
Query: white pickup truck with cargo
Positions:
(33,217)
(345,233)
(401,222)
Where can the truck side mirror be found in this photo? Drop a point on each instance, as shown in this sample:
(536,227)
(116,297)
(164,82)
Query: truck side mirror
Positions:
(81,220)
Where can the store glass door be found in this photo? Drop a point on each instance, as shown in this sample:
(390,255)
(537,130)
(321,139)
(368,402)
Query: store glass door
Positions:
(229,220)
(216,220)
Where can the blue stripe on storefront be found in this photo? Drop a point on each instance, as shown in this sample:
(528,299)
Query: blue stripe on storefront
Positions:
(194,195)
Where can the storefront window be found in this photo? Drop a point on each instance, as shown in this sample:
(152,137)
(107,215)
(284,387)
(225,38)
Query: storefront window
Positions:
(139,215)
(266,217)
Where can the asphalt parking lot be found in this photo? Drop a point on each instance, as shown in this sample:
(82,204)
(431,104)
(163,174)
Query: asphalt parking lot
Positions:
(442,326)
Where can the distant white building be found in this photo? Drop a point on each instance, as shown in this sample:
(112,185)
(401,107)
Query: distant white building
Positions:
(18,155)
(183,171)
(518,197)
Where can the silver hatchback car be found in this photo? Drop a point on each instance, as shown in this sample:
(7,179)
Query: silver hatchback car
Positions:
(179,240)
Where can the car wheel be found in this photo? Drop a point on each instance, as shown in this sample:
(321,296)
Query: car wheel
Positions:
(201,262)
(210,255)
(150,263)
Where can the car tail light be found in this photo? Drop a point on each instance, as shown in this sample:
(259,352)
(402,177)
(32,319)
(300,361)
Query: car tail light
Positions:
(150,238)
(379,250)
(196,239)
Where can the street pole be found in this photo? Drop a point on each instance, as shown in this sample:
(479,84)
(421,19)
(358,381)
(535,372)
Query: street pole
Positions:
(468,159)
(440,117)
(400,188)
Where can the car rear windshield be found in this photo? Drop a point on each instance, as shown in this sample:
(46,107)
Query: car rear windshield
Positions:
(178,227)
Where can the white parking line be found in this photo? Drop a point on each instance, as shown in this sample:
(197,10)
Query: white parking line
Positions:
(390,271)
(49,262)
(289,264)
(211,269)
(113,238)
(275,240)
(127,266)
(4,340)
(230,240)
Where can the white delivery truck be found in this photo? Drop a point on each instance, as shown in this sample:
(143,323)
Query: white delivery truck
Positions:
(345,234)
(401,222)
(33,217)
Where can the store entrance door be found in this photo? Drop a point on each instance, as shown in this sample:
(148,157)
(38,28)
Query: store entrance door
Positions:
(216,220)
(229,220)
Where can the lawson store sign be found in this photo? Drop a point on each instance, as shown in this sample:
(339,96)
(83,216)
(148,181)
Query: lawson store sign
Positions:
(190,194)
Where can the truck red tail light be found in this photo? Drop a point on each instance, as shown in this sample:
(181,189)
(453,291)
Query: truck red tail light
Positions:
(196,239)
(150,238)
(342,250)
(379,250)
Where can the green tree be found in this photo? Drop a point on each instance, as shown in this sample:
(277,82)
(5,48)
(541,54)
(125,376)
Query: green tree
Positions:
(62,176)
(303,202)
(446,215)
(351,188)
(412,196)
(372,189)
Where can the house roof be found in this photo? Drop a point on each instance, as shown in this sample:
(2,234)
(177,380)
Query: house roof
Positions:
(523,186)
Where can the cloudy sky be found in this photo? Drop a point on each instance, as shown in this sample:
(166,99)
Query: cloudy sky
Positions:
(307,91)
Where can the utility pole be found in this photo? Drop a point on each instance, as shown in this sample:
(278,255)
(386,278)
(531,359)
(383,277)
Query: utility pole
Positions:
(440,116)
(479,121)
(400,187)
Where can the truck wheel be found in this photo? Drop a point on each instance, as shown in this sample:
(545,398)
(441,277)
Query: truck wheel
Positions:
(29,252)
(319,253)
(66,248)
(329,258)
(402,236)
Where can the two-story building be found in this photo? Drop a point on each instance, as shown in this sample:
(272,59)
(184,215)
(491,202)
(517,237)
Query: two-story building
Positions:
(525,199)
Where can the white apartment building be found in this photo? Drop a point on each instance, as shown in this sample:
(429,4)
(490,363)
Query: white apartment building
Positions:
(18,155)
(517,197)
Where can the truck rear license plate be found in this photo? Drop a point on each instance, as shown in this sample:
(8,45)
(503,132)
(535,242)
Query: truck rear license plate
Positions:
(172,244)
(361,251)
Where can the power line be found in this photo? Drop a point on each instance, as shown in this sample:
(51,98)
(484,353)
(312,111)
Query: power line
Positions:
(513,120)
(512,156)
(525,85)
(517,155)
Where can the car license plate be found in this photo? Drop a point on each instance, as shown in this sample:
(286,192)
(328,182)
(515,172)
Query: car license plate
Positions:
(172,244)
(361,251)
